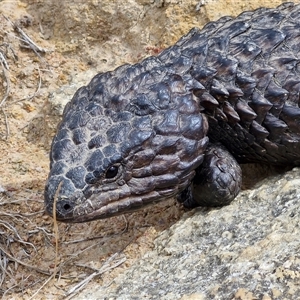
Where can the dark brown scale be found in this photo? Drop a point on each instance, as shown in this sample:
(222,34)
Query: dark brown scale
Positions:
(246,83)
(260,105)
(291,115)
(246,52)
(218,90)
(263,78)
(293,86)
(268,40)
(226,68)
(260,132)
(234,91)
(208,101)
(275,126)
(203,74)
(220,115)
(286,65)
(231,113)
(245,112)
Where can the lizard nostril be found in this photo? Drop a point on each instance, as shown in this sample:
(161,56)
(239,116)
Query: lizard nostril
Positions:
(67,206)
(64,209)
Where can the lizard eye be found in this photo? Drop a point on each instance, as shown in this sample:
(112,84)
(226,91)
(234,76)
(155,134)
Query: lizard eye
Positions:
(111,172)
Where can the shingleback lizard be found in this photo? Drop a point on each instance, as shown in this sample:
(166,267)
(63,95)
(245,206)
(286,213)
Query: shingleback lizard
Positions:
(178,124)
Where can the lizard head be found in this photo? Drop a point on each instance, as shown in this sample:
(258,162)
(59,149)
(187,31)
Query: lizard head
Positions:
(130,138)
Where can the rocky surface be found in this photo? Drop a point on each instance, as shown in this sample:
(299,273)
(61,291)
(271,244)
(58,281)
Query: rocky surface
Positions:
(248,250)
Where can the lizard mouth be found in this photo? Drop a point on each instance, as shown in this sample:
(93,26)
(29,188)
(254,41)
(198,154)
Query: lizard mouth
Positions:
(70,212)
(66,204)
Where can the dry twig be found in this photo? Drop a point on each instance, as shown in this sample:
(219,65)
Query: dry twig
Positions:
(55,227)
(106,267)
(5,69)
(28,43)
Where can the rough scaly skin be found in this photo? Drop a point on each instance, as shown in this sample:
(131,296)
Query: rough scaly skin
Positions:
(177,124)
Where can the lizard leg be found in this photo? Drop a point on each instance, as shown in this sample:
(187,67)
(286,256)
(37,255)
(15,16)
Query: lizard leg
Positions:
(217,181)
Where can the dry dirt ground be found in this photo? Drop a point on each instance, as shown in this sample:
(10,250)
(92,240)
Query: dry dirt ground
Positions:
(35,262)
(32,265)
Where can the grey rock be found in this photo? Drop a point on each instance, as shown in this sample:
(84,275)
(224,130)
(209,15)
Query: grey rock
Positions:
(247,250)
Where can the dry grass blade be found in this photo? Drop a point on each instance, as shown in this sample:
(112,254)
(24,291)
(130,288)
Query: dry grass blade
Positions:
(28,43)
(6,124)
(17,237)
(106,267)
(12,241)
(3,267)
(12,258)
(8,46)
(55,227)
(42,286)
(5,67)
(3,60)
